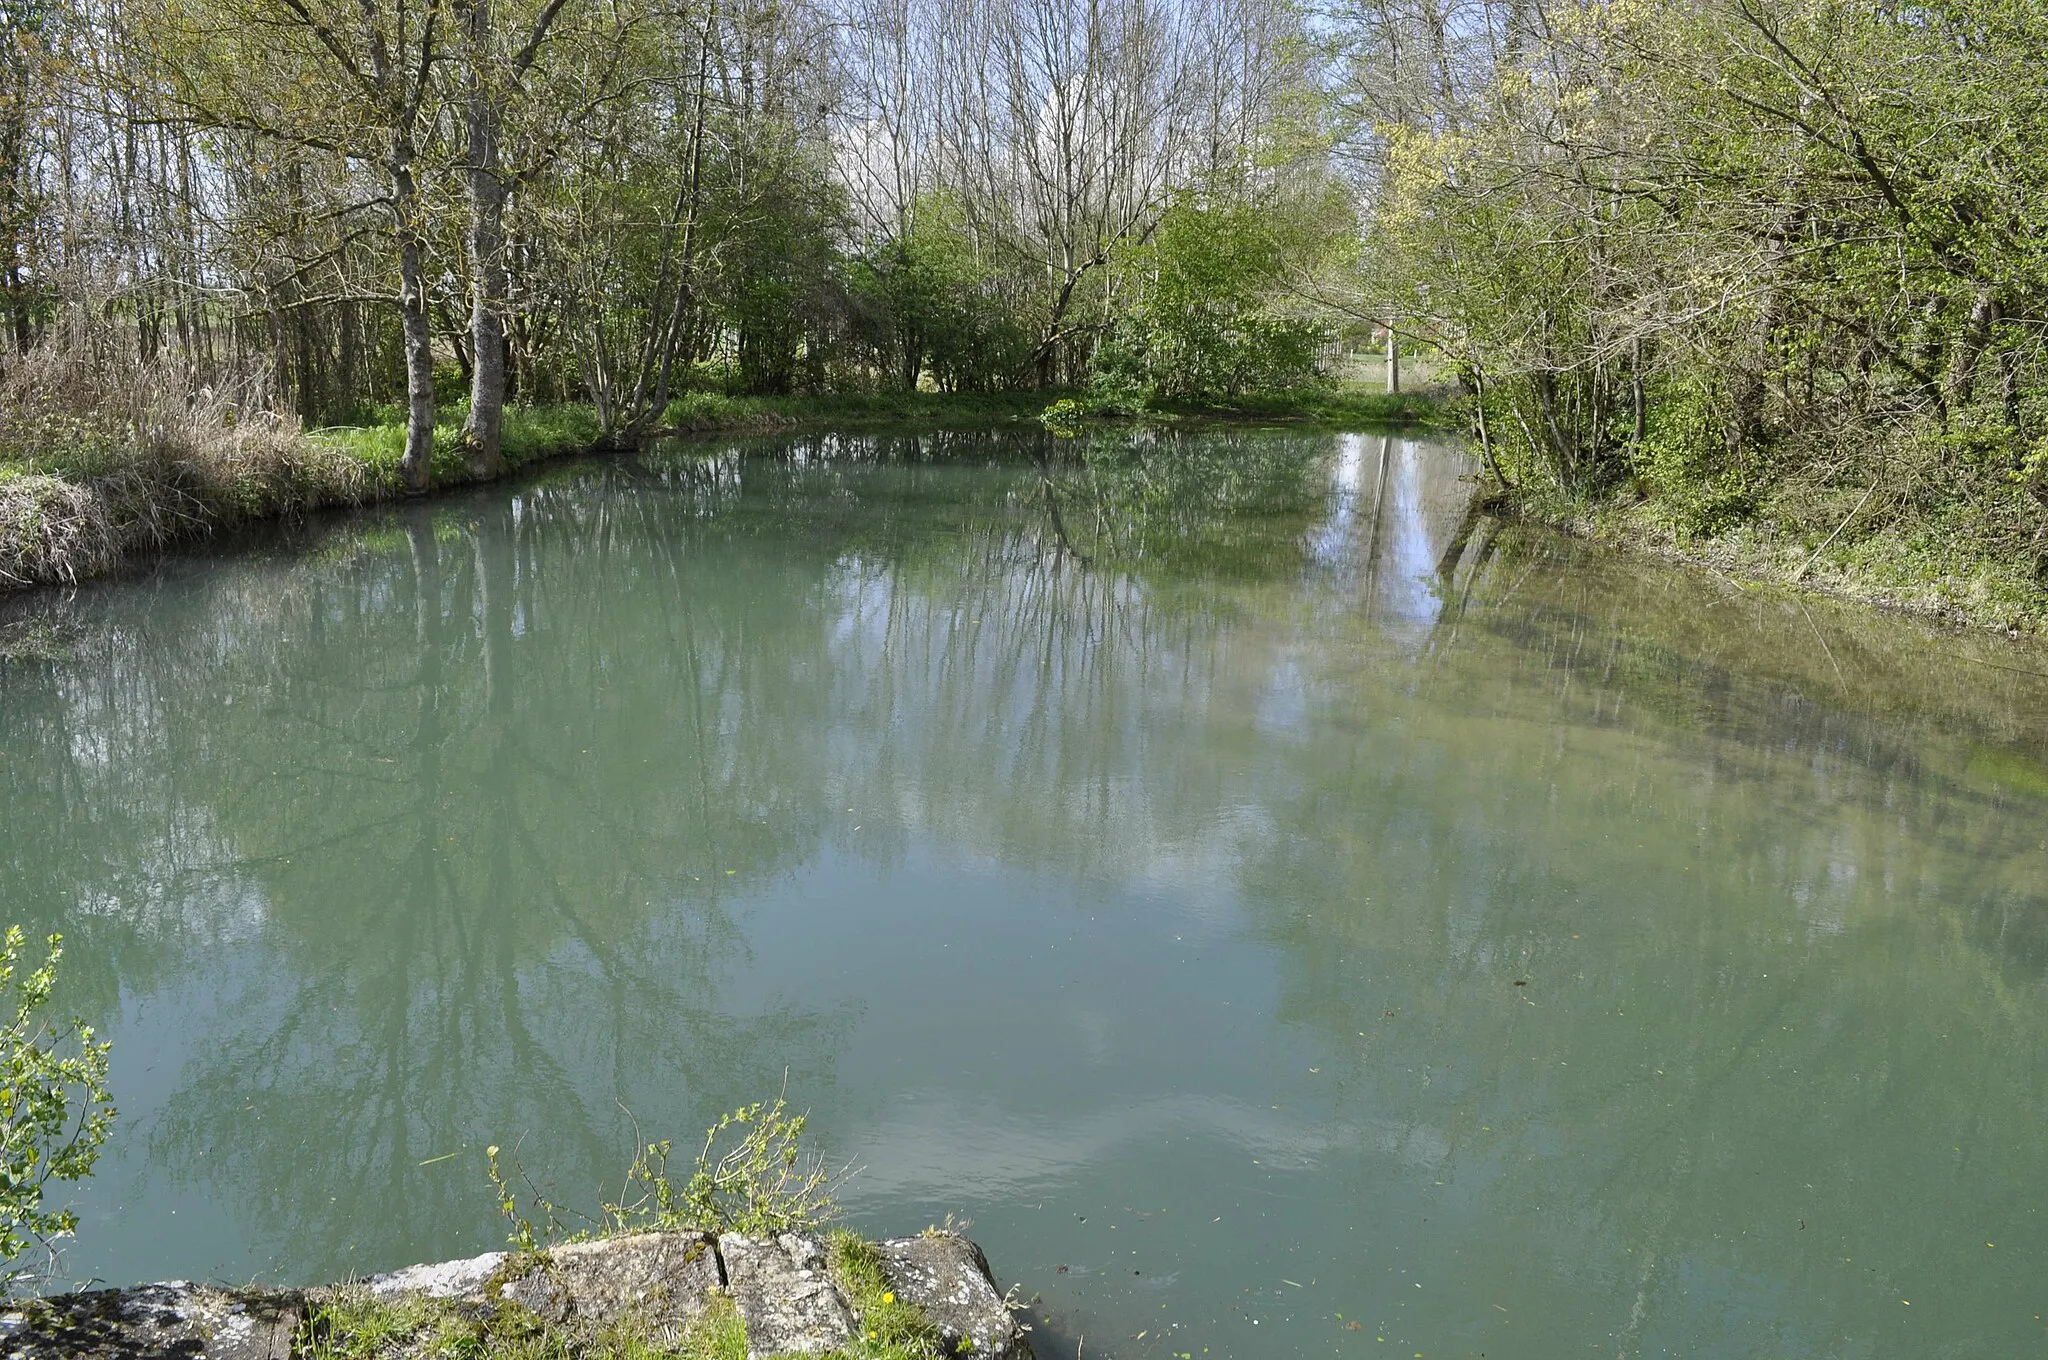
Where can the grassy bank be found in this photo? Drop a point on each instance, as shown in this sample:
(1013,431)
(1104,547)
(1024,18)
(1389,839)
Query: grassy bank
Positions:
(95,473)
(1936,561)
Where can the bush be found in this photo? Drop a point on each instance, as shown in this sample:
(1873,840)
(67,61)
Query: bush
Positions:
(54,1108)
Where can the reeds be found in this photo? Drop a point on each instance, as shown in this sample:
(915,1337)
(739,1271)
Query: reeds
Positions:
(99,462)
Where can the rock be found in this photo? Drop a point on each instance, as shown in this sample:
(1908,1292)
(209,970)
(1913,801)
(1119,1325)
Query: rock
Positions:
(785,1293)
(947,1276)
(664,1279)
(172,1321)
(781,1285)
(440,1280)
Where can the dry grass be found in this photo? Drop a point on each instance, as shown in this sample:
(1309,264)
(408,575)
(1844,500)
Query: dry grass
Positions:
(98,463)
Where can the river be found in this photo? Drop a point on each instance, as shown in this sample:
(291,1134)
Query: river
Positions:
(1284,914)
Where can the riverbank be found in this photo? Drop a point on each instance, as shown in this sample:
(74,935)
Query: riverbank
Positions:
(92,481)
(1840,548)
(684,1295)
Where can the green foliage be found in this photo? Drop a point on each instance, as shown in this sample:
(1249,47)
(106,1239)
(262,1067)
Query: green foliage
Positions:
(699,411)
(927,303)
(752,1176)
(1063,417)
(55,1111)
(1798,233)
(1202,321)
(531,433)
(1684,462)
(779,278)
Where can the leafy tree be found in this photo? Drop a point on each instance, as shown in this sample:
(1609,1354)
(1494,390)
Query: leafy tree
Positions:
(1209,316)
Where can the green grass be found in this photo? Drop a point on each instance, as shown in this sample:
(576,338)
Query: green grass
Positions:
(704,412)
(1943,563)
(531,434)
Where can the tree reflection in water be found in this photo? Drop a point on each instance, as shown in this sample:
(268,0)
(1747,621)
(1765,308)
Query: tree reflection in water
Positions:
(644,780)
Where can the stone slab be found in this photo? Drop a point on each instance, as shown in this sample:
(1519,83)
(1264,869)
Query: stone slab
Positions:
(664,1279)
(783,1287)
(170,1321)
(439,1279)
(947,1276)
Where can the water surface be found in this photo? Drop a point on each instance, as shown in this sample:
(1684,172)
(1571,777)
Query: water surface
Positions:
(1286,915)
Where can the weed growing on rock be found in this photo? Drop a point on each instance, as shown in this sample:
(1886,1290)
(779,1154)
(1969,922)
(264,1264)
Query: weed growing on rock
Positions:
(886,1327)
(752,1176)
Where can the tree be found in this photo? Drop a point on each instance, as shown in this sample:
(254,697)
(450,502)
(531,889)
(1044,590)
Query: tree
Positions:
(352,81)
(495,86)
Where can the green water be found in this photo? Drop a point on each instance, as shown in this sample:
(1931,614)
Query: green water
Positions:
(1259,898)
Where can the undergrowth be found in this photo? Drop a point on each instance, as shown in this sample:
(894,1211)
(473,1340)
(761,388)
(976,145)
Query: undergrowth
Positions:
(1930,523)
(98,466)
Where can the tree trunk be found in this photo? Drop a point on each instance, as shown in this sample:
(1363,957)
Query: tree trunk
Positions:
(1393,363)
(417,466)
(1639,425)
(1962,374)
(672,337)
(14,234)
(482,432)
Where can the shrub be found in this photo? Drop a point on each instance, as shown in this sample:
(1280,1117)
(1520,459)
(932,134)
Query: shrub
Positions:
(54,1108)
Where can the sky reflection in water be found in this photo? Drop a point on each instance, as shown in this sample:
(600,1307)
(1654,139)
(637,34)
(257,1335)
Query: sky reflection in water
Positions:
(1249,888)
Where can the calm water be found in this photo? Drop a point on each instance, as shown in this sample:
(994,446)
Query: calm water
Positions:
(1260,898)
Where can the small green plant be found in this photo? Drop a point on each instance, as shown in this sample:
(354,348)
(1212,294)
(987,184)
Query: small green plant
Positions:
(526,1236)
(352,1324)
(751,1176)
(55,1111)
